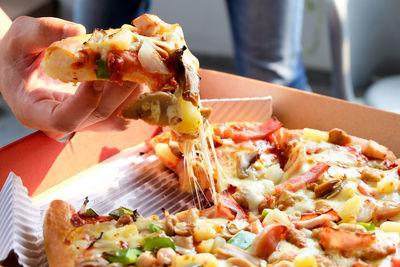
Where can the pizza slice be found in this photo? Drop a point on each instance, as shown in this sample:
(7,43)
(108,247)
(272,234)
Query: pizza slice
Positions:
(151,52)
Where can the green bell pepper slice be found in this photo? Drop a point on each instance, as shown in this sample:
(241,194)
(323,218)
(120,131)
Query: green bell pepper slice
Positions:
(265,212)
(90,213)
(124,256)
(368,226)
(154,228)
(102,70)
(158,241)
(121,211)
(243,239)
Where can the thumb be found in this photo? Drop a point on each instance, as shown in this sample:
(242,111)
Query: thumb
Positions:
(32,35)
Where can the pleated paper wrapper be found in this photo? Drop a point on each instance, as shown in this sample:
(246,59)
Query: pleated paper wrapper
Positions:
(133,178)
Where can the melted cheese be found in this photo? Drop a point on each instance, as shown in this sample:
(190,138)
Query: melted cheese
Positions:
(254,191)
(194,149)
(82,237)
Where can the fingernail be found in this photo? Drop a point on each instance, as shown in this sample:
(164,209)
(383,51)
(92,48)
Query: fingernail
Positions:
(72,30)
(98,86)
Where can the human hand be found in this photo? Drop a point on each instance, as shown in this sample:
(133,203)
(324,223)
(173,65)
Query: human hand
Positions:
(45,104)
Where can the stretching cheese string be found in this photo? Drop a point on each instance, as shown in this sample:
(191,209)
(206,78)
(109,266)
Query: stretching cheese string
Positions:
(203,151)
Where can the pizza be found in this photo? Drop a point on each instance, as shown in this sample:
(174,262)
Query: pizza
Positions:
(337,195)
(152,52)
(286,198)
(273,196)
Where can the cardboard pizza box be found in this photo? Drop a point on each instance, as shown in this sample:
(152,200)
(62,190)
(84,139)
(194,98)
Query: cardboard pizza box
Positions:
(42,162)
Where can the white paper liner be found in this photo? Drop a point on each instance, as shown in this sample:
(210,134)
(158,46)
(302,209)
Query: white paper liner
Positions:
(133,178)
(20,224)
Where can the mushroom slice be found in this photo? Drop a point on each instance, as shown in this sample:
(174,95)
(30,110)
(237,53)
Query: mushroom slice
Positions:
(189,80)
(244,161)
(159,108)
(329,189)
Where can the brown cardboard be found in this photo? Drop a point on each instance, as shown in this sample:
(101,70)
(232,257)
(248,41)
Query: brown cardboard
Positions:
(43,163)
(297,109)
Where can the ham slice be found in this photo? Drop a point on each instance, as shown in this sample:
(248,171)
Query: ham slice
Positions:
(226,207)
(244,132)
(335,239)
(313,220)
(297,182)
(365,189)
(267,241)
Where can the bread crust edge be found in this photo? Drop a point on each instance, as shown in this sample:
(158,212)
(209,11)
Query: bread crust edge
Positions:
(56,227)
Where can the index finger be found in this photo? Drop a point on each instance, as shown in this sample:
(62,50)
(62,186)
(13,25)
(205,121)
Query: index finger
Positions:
(64,116)
(32,35)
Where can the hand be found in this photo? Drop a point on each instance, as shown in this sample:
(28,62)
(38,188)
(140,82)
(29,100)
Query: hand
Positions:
(42,103)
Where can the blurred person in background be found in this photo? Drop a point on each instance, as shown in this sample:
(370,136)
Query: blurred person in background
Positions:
(266,33)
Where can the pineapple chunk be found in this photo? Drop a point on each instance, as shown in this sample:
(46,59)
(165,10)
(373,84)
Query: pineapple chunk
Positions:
(204,232)
(275,216)
(307,261)
(116,39)
(205,246)
(350,209)
(387,185)
(219,242)
(390,227)
(191,118)
(315,135)
(121,40)
(125,232)
(349,190)
(204,259)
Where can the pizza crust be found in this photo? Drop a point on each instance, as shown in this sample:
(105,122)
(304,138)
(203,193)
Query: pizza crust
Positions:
(57,225)
(61,55)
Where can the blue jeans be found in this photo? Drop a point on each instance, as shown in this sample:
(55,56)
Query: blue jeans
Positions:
(104,14)
(267,40)
(266,34)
